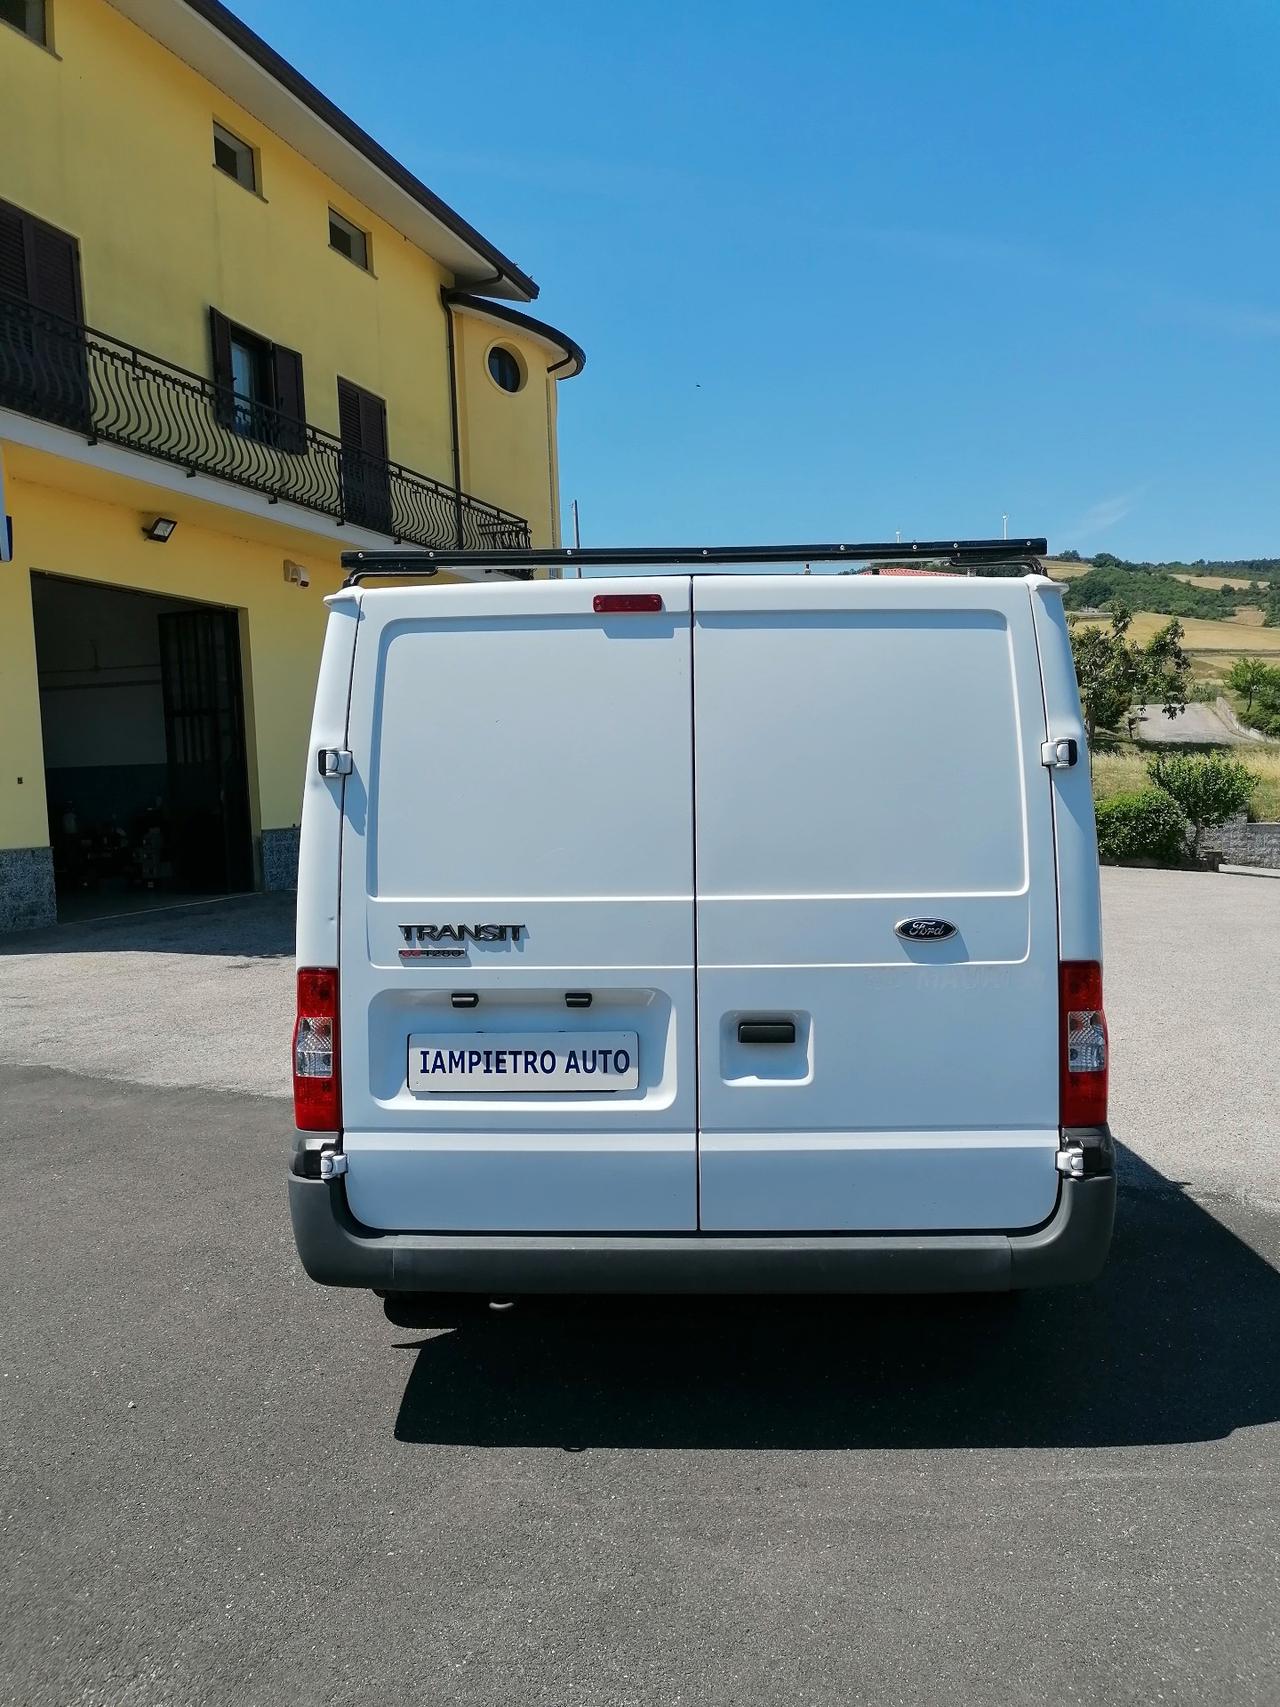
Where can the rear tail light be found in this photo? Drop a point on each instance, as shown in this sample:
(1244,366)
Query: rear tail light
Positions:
(315,1051)
(1084,1044)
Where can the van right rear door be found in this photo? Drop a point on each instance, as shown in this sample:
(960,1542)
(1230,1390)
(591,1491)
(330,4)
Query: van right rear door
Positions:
(867,752)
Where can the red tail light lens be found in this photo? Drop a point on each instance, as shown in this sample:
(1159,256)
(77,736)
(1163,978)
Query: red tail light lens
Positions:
(605,602)
(316,1101)
(1084,1044)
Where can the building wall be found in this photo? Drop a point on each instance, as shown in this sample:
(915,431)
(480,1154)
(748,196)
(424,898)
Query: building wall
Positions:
(508,436)
(111,140)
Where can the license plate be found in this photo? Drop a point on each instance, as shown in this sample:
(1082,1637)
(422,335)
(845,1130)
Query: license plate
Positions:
(591,1061)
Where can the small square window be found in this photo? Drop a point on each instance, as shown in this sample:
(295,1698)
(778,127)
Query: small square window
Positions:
(27,16)
(348,240)
(233,157)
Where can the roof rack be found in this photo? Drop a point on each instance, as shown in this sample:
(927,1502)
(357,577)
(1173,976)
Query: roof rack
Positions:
(364,565)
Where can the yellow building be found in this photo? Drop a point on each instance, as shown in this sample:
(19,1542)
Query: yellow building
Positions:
(236,339)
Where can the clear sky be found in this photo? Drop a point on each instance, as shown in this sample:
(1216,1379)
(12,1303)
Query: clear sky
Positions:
(843,269)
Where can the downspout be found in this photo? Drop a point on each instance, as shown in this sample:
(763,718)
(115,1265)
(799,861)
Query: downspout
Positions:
(553,469)
(453,419)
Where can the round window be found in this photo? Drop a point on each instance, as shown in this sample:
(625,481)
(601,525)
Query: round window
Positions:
(505,368)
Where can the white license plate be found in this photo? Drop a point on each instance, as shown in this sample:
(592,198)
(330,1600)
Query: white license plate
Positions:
(591,1061)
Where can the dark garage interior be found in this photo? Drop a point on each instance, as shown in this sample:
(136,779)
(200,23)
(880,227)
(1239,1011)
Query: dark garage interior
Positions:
(142,712)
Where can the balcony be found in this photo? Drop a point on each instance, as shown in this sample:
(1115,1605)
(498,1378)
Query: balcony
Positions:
(67,374)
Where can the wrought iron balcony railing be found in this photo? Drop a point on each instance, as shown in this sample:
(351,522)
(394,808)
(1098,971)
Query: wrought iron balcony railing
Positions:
(72,376)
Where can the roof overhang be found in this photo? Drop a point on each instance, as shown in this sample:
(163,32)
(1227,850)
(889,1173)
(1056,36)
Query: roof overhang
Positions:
(214,42)
(567,358)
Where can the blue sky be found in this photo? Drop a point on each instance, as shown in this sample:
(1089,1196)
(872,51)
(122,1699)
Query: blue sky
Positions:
(842,270)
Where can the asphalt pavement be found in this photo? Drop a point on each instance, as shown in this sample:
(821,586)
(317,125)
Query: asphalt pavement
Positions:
(1197,723)
(222,1484)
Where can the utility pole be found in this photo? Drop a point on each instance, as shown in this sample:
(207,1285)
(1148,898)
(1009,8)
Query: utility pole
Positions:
(577,535)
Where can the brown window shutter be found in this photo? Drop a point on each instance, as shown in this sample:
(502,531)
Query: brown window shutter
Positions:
(220,340)
(366,484)
(373,425)
(54,266)
(349,430)
(286,368)
(13,252)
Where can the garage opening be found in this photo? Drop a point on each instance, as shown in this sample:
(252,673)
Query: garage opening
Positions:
(142,708)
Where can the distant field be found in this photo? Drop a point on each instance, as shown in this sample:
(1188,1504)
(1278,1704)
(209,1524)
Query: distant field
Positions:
(1203,635)
(1057,570)
(1210,580)
(1118,773)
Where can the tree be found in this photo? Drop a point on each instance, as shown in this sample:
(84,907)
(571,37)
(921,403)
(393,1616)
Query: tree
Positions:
(1209,788)
(1246,676)
(1165,669)
(1116,673)
(1266,704)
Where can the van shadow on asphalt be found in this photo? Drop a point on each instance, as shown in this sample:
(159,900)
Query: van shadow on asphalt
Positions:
(1175,1342)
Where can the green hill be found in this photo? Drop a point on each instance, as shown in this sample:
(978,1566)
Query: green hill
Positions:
(1155,590)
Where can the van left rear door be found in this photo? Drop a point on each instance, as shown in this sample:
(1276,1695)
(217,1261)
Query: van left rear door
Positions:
(518,838)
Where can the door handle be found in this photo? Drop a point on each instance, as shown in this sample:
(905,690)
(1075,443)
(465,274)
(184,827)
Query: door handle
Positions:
(766,1031)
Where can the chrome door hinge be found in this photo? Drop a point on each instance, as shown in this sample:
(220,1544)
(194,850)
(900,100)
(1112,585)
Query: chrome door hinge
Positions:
(1060,754)
(334,761)
(333,1164)
(1070,1161)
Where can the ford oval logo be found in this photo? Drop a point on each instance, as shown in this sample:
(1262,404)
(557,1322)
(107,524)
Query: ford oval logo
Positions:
(924,930)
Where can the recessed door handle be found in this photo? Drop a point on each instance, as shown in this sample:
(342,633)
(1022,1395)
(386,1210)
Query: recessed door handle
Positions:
(766,1031)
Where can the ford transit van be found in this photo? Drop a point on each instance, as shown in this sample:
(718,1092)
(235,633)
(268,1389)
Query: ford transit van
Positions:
(699,932)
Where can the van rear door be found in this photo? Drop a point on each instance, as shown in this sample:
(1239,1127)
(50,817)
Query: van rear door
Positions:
(867,753)
(517,838)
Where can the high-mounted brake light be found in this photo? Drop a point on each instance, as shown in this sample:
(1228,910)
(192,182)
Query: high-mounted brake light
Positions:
(316,1101)
(1084,1044)
(626,601)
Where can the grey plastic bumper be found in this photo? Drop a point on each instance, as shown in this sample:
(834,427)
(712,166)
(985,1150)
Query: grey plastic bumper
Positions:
(1071,1246)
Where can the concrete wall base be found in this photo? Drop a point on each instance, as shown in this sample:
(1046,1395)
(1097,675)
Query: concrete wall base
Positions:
(26,889)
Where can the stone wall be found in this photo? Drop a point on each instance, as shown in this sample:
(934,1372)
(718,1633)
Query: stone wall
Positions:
(1239,843)
(280,859)
(26,889)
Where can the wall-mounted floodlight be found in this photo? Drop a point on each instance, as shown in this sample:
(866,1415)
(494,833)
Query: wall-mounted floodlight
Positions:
(159,529)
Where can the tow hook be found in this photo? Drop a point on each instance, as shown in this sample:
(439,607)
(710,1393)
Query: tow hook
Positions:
(1086,1151)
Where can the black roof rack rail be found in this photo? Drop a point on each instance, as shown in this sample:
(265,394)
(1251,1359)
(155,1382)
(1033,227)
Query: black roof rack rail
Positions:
(364,565)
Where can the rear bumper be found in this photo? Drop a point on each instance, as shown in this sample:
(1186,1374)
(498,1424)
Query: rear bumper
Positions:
(335,1250)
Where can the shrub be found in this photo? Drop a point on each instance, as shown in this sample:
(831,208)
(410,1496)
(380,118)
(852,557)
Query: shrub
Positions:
(1144,824)
(1209,789)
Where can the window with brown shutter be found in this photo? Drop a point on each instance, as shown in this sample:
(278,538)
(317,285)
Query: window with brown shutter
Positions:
(41,321)
(257,386)
(39,263)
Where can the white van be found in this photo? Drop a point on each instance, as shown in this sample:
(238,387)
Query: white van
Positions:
(699,932)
